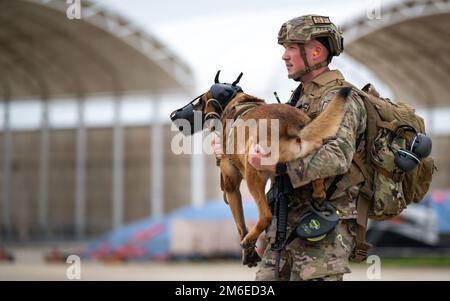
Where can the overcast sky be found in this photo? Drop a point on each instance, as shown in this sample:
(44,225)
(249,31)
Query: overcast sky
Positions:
(235,36)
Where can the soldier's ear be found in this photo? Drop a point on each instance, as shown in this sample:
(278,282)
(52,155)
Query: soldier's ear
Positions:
(317,51)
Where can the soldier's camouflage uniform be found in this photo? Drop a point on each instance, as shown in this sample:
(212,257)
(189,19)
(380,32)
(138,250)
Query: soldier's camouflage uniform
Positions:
(326,259)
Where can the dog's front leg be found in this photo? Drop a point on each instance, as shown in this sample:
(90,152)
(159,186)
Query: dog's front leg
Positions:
(256,182)
(235,202)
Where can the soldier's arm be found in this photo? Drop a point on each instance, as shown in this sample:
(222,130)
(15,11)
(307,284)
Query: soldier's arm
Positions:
(335,156)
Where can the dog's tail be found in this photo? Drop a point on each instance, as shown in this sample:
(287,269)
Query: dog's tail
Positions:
(344,93)
(326,125)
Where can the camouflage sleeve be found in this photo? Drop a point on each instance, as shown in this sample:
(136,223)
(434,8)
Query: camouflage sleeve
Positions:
(335,156)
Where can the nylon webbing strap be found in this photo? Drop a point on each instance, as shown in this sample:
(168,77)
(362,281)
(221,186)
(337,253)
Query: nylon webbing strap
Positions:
(333,186)
(243,109)
(296,96)
(362,247)
(308,68)
(305,60)
(363,204)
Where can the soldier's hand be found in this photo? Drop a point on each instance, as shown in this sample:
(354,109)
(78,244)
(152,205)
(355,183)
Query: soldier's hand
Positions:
(217,146)
(255,155)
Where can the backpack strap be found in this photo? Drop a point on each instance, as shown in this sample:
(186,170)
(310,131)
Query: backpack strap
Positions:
(296,95)
(363,204)
(362,247)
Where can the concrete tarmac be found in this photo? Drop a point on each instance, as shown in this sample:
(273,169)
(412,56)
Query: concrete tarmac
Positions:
(30,265)
(184,271)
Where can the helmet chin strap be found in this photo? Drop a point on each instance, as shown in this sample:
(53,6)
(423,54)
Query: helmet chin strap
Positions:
(296,76)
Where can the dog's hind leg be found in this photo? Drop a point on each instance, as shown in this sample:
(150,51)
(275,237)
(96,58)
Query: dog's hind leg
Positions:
(319,191)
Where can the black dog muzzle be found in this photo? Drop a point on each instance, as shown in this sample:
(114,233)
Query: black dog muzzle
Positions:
(221,95)
(187,116)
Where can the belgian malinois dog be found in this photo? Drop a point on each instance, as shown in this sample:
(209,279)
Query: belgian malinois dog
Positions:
(298,137)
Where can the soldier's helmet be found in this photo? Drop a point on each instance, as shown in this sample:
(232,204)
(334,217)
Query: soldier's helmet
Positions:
(303,29)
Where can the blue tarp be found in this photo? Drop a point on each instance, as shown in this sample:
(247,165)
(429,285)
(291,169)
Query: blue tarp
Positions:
(149,238)
(439,200)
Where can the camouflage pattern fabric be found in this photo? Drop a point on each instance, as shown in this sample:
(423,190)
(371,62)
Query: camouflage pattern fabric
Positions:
(388,199)
(301,260)
(326,259)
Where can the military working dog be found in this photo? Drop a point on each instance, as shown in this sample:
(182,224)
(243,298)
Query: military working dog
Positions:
(298,137)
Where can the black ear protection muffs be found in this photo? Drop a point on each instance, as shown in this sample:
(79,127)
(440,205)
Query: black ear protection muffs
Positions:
(421,146)
(407,159)
(318,222)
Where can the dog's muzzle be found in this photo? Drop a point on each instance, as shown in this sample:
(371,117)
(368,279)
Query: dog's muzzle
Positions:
(187,119)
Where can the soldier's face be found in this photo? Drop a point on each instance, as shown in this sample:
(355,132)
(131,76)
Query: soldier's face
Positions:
(292,59)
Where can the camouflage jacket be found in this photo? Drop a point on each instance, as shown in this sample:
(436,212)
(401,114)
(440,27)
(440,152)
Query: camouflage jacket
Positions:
(335,157)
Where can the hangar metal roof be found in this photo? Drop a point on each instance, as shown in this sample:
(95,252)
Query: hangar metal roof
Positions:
(45,55)
(407,47)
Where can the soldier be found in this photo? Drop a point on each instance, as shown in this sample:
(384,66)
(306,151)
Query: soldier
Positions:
(310,43)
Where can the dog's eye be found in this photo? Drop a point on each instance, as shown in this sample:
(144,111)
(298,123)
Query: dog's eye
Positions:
(300,126)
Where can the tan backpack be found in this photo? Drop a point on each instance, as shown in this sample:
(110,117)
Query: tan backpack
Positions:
(387,189)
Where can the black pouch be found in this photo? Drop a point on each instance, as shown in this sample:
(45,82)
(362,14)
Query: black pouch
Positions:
(316,224)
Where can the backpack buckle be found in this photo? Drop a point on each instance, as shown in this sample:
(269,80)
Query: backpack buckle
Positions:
(360,252)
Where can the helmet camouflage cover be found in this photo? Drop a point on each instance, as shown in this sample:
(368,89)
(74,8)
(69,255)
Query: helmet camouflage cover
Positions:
(303,29)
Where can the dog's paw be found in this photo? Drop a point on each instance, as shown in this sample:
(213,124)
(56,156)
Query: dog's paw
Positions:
(250,257)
